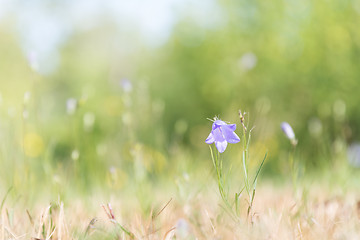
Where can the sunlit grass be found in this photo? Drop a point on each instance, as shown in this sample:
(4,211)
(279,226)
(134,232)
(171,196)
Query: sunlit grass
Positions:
(98,167)
(326,211)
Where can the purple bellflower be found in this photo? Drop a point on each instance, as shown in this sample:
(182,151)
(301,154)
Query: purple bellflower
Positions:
(222,134)
(289,132)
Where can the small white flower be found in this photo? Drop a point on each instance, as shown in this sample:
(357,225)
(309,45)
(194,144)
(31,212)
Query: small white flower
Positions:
(71,105)
(27,96)
(126,85)
(25,114)
(248,61)
(89,121)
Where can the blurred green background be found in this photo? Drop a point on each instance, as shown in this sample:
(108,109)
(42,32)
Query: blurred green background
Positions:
(98,94)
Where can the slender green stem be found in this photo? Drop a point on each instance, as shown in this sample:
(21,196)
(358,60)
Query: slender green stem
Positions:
(293,167)
(245,158)
(217,161)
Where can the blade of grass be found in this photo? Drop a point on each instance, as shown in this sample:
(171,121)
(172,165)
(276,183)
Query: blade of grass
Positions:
(258,171)
(4,199)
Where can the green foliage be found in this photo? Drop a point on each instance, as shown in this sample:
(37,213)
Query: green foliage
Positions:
(305,70)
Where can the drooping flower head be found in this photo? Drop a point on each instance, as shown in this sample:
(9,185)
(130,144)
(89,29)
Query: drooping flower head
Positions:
(222,134)
(289,132)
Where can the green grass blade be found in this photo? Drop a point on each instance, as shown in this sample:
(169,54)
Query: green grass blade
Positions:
(212,156)
(4,199)
(127,232)
(258,171)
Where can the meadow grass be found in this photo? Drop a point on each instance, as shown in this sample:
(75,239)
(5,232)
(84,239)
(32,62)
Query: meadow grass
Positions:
(84,175)
(183,199)
(325,209)
(93,169)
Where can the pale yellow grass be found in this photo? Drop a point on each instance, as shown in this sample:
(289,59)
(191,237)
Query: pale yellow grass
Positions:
(278,213)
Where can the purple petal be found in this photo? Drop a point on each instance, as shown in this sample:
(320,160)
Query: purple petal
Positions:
(218,135)
(232,126)
(210,139)
(217,124)
(287,129)
(221,146)
(229,134)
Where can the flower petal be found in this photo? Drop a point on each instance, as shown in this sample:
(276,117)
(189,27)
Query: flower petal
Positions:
(217,124)
(210,139)
(287,129)
(218,135)
(221,146)
(229,134)
(232,126)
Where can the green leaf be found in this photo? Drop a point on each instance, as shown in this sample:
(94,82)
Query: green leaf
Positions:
(258,171)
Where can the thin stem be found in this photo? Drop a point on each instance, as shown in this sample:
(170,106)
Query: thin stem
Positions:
(217,161)
(292,167)
(245,157)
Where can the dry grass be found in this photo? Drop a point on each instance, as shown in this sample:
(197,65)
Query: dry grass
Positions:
(276,215)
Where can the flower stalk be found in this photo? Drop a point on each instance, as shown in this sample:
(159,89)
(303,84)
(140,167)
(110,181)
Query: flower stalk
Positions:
(220,135)
(249,186)
(289,133)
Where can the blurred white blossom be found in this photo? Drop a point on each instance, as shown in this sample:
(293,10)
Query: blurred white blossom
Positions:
(89,121)
(27,96)
(71,105)
(126,85)
(182,229)
(248,61)
(25,114)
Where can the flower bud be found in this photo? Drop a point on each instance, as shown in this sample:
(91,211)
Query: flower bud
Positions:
(289,132)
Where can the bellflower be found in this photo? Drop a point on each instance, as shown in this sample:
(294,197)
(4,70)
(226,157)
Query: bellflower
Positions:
(289,132)
(222,134)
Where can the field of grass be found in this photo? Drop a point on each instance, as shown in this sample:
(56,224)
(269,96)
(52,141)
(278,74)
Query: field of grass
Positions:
(324,213)
(91,168)
(322,207)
